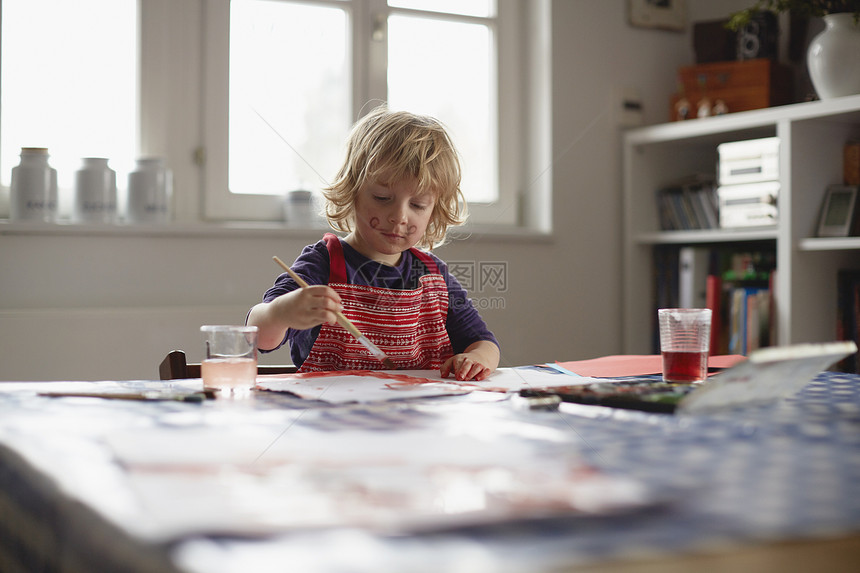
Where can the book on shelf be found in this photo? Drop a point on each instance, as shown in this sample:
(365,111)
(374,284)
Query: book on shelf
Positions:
(736,285)
(689,204)
(749,323)
(714,301)
(848,315)
(665,280)
(693,271)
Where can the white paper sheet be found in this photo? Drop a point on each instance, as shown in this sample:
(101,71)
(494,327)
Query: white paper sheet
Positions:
(369,386)
(767,376)
(458,469)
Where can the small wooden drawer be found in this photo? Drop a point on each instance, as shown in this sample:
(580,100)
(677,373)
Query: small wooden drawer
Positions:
(740,86)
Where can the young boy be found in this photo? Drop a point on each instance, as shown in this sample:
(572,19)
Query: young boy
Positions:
(398,189)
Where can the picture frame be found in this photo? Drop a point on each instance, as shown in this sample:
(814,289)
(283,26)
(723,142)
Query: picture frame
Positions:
(838,217)
(664,14)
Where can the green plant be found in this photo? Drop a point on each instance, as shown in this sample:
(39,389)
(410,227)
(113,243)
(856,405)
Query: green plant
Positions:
(801,8)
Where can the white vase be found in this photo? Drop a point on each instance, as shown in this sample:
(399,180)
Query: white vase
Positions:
(95,192)
(833,57)
(33,189)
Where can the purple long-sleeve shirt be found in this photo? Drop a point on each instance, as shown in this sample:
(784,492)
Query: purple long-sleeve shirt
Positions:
(463,324)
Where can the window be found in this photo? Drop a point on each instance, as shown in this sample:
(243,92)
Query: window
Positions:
(449,80)
(248,99)
(289,96)
(68,83)
(301,72)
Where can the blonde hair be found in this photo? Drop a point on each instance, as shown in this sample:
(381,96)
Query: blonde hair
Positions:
(391,146)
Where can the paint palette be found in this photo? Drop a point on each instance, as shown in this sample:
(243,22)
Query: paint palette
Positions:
(768,375)
(647,393)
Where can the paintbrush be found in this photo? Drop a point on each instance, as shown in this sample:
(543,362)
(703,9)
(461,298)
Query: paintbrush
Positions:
(149,396)
(344,321)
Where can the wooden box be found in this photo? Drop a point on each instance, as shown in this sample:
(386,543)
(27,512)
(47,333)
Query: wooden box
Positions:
(852,163)
(740,86)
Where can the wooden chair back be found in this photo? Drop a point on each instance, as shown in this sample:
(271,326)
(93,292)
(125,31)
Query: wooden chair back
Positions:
(175,367)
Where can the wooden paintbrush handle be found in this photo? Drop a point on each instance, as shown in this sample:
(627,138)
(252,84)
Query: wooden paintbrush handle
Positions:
(341,319)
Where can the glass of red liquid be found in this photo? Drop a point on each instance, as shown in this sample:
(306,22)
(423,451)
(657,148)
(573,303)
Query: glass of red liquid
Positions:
(685,336)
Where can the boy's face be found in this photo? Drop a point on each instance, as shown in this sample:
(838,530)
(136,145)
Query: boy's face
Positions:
(390,218)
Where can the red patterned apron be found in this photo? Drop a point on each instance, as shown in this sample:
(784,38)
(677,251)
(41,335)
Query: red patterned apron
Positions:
(408,325)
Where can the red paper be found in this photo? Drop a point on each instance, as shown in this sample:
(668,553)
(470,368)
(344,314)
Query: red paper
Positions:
(635,365)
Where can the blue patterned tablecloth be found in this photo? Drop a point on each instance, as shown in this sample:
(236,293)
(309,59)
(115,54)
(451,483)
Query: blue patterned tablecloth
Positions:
(789,471)
(780,472)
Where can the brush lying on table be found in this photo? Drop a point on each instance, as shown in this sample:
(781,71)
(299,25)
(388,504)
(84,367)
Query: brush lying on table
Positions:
(344,321)
(145,395)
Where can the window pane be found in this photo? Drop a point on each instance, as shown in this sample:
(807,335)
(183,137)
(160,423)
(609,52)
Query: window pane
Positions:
(69,82)
(482,8)
(290,94)
(451,81)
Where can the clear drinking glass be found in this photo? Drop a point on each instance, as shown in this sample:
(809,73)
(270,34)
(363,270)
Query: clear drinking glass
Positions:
(685,336)
(230,365)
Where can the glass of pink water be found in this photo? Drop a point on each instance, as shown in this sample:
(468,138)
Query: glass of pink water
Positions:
(230,366)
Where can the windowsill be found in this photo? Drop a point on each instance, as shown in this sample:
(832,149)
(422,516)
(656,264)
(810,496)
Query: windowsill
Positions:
(240,229)
(479,232)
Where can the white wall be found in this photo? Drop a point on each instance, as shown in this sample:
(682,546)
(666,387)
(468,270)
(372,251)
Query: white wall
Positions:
(100,306)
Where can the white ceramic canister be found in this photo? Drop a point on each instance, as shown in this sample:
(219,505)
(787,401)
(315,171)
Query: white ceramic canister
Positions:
(301,209)
(95,192)
(33,189)
(150,187)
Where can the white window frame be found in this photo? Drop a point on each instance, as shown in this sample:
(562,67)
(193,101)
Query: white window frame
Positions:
(171,82)
(369,64)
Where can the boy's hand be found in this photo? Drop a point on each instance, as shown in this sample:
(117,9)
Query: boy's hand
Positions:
(477,363)
(300,309)
(308,307)
(464,367)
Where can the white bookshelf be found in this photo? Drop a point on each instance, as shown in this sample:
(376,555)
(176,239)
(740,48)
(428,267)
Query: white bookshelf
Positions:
(812,136)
